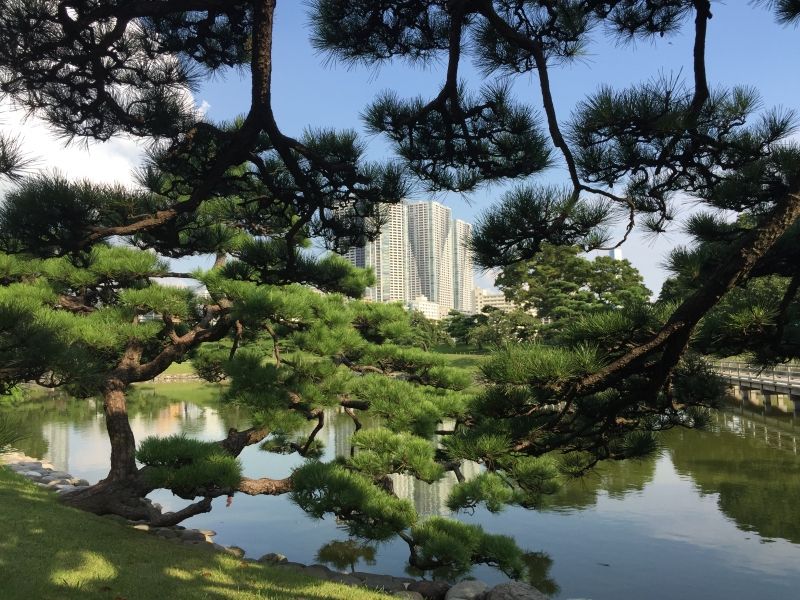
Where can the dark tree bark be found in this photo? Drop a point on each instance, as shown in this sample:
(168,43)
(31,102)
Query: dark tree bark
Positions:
(123,443)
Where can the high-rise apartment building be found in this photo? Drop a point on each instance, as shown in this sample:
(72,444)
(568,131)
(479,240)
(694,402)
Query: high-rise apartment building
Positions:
(421,259)
(463,278)
(388,256)
(430,236)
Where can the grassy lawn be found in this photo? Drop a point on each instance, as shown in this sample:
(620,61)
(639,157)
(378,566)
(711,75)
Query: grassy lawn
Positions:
(51,552)
(184,368)
(464,357)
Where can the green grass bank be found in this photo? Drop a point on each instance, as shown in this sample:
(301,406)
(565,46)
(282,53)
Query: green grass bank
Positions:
(51,552)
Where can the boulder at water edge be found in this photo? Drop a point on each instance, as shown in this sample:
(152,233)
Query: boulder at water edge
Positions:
(467,590)
(515,590)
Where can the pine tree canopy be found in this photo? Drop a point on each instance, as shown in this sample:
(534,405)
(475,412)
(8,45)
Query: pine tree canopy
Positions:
(83,305)
(559,284)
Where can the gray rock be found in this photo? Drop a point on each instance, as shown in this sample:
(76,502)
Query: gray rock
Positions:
(344,579)
(59,474)
(57,480)
(273,557)
(192,535)
(290,563)
(318,571)
(467,590)
(166,533)
(232,550)
(29,465)
(430,590)
(409,595)
(515,590)
(207,532)
(82,483)
(380,582)
(31,474)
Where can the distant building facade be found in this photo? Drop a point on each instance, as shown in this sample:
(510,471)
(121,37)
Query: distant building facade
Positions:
(388,257)
(463,268)
(431,310)
(484,298)
(421,259)
(431,235)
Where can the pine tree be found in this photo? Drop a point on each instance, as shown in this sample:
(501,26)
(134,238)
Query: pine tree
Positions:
(559,286)
(81,306)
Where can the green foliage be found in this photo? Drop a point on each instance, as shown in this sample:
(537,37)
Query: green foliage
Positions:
(406,406)
(51,214)
(380,452)
(367,511)
(540,364)
(496,329)
(454,547)
(426,368)
(188,466)
(210,360)
(529,217)
(11,432)
(283,324)
(487,488)
(172,302)
(561,285)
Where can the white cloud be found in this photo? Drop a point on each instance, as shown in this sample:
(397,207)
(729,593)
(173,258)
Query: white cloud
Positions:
(113,161)
(101,162)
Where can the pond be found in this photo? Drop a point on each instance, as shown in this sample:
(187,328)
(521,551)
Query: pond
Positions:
(715,515)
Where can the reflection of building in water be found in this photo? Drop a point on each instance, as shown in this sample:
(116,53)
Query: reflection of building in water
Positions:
(179,417)
(428,499)
(57,436)
(431,498)
(340,429)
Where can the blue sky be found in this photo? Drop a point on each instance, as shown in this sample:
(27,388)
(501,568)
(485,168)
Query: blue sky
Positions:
(745,47)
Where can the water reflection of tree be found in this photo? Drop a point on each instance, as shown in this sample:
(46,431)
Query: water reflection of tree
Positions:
(617,478)
(758,486)
(539,565)
(145,402)
(346,554)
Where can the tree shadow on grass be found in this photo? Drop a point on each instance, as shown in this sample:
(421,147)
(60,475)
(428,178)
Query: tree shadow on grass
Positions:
(51,552)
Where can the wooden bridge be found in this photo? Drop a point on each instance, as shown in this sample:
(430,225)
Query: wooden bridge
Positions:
(784,379)
(777,388)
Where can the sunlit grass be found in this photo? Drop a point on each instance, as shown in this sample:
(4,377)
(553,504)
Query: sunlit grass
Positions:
(51,552)
(184,368)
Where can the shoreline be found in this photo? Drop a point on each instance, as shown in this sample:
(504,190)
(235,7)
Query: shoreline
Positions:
(44,475)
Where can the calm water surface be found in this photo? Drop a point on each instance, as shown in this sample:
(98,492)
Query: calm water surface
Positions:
(716,515)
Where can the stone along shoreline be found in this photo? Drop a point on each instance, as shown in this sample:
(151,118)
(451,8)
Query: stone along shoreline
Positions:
(46,476)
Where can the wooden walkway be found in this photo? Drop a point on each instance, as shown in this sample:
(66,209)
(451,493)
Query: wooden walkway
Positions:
(784,379)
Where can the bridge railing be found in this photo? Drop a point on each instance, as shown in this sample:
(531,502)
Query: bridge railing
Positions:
(782,374)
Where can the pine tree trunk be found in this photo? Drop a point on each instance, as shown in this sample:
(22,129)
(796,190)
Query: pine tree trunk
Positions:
(122,492)
(123,444)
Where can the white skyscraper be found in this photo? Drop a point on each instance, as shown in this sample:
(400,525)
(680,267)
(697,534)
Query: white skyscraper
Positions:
(463,279)
(430,235)
(388,256)
(421,259)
